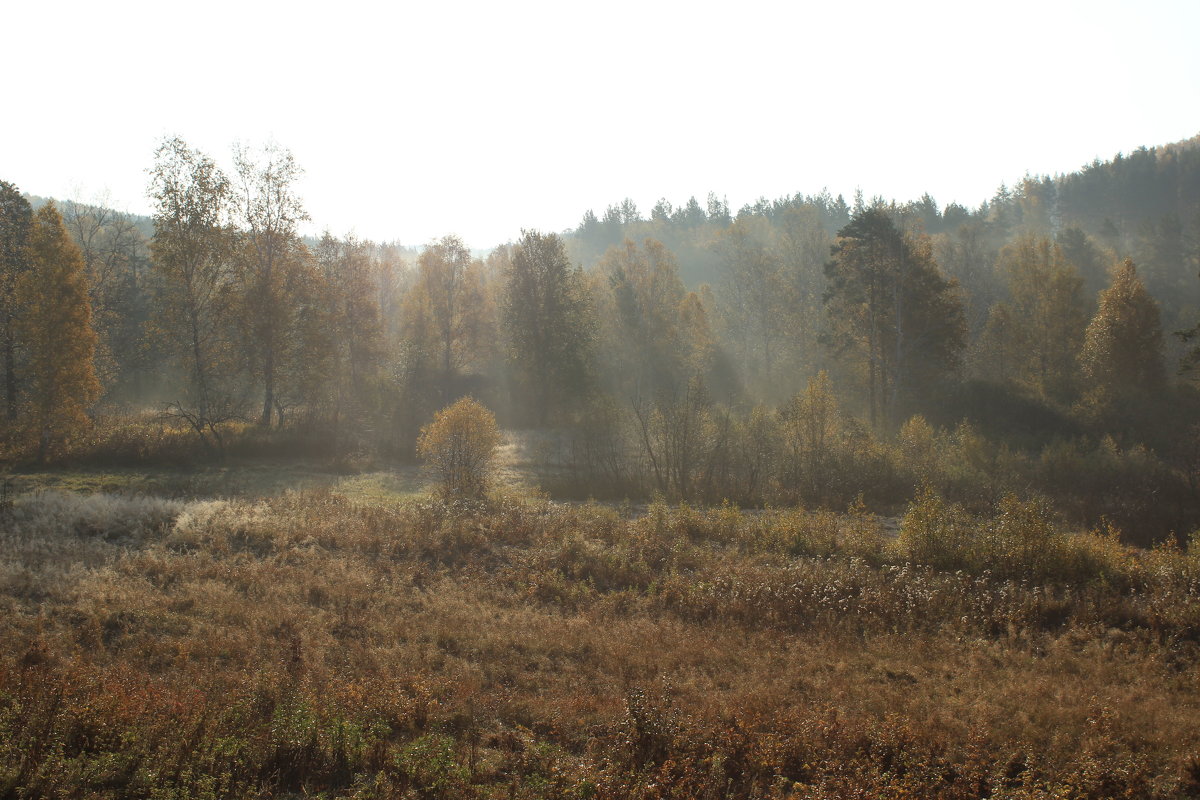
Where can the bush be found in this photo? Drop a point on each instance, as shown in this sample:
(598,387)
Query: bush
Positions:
(935,533)
(459,448)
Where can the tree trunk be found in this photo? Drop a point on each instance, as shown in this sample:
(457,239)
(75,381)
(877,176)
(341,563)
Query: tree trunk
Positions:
(10,372)
(268,387)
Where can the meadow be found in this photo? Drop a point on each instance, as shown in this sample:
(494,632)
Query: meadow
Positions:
(343,641)
(899,498)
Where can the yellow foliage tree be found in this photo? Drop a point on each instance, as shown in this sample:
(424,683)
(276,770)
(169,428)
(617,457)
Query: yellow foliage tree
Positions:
(55,326)
(449,313)
(1123,346)
(918,443)
(1047,317)
(459,448)
(640,314)
(810,427)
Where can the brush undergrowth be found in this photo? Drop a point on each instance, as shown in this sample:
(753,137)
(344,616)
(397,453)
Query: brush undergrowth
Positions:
(314,644)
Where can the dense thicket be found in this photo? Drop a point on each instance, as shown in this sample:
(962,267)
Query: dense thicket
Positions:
(802,350)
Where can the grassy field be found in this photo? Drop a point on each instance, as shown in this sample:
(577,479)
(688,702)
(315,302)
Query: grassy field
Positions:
(517,467)
(242,477)
(354,639)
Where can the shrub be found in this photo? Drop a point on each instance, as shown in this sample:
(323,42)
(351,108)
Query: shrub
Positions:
(934,532)
(459,448)
(918,444)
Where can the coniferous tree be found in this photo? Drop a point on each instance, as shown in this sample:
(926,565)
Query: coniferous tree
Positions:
(1123,346)
(892,312)
(115,253)
(55,327)
(16,221)
(1081,252)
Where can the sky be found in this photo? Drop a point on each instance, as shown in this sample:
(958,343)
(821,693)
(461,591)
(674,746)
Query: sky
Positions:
(415,120)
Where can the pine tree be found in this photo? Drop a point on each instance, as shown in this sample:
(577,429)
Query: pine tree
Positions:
(891,311)
(55,327)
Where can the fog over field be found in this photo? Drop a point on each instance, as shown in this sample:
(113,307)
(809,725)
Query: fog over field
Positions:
(648,401)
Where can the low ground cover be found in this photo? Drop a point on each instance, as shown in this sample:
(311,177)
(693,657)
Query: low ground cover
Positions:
(318,643)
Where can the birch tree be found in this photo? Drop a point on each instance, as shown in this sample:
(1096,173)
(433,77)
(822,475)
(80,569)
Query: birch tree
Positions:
(191,255)
(270,211)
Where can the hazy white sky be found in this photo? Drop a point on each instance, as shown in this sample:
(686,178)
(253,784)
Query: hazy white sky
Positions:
(480,118)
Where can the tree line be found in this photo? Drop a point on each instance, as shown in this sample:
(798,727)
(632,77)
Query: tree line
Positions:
(801,350)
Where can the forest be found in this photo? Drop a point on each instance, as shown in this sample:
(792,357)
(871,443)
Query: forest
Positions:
(805,350)
(819,498)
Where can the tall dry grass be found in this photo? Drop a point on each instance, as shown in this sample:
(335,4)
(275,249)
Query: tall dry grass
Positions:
(310,644)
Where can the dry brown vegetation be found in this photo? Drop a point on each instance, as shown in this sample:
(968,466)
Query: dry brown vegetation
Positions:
(310,644)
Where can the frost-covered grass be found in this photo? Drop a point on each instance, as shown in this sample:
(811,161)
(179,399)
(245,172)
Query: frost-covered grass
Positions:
(48,515)
(313,643)
(234,478)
